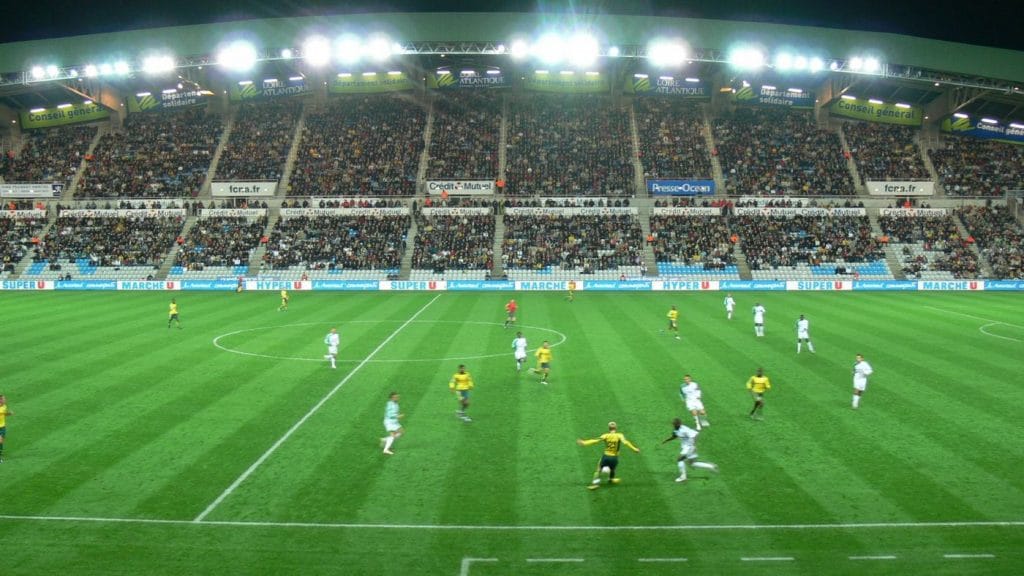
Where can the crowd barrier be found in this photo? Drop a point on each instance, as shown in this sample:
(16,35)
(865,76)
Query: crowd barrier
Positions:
(230,284)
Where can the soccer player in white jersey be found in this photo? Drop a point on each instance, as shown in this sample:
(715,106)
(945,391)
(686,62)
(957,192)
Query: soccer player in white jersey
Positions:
(803,334)
(688,449)
(691,394)
(758,319)
(730,305)
(861,371)
(519,346)
(332,340)
(391,425)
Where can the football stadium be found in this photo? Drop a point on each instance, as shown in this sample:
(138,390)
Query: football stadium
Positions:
(499,293)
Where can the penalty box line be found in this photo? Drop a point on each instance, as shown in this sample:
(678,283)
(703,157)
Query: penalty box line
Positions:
(316,407)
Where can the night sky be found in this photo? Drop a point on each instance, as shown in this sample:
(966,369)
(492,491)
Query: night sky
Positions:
(983,22)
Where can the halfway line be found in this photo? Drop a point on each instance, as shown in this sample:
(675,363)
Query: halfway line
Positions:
(259,461)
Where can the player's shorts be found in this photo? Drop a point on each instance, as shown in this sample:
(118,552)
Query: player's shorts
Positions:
(609,461)
(758,396)
(3,431)
(862,386)
(673,324)
(391,425)
(520,355)
(695,405)
(172,317)
(688,451)
(545,365)
(759,323)
(803,336)
(464,394)
(332,350)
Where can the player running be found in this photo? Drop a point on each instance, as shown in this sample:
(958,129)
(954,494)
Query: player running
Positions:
(758,384)
(613,441)
(172,314)
(284,302)
(460,385)
(543,368)
(730,305)
(519,347)
(392,426)
(510,310)
(687,450)
(673,321)
(691,395)
(332,340)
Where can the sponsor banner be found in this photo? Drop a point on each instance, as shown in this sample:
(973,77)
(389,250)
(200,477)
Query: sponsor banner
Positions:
(277,285)
(548,284)
(901,188)
(684,285)
(686,211)
(26,285)
(769,96)
(73,114)
(347,285)
(913,212)
(120,213)
(239,188)
(518,211)
(449,81)
(232,213)
(747,285)
(33,190)
(999,285)
(618,285)
(148,102)
(312,212)
(886,285)
(23,214)
(85,285)
(820,212)
(471,211)
(461,187)
(475,285)
(149,285)
(574,83)
(955,285)
(371,82)
(265,89)
(681,187)
(802,285)
(413,285)
(883,113)
(222,285)
(644,85)
(979,129)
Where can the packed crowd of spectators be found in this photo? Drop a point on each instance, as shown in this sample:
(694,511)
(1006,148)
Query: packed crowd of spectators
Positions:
(938,238)
(466,136)
(17,237)
(338,243)
(885,151)
(260,140)
(568,146)
(49,155)
(673,141)
(773,241)
(125,241)
(778,152)
(585,243)
(360,145)
(694,240)
(220,241)
(999,236)
(156,154)
(973,167)
(454,242)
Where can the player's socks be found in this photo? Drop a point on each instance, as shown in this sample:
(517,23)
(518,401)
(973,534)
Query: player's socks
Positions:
(798,348)
(856,401)
(705,465)
(810,347)
(388,442)
(682,471)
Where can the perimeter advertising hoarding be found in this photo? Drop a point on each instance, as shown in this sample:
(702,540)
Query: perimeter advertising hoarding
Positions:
(148,102)
(264,90)
(473,81)
(461,187)
(645,85)
(32,190)
(982,130)
(73,114)
(574,83)
(769,96)
(901,188)
(882,113)
(244,189)
(371,82)
(661,187)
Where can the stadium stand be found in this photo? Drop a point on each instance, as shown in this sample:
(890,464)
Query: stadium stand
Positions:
(360,145)
(459,243)
(465,136)
(556,246)
(930,247)
(576,145)
(260,140)
(219,242)
(672,139)
(157,154)
(885,151)
(973,167)
(694,246)
(17,237)
(49,155)
(999,236)
(779,152)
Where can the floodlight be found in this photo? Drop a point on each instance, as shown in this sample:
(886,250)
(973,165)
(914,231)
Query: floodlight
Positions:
(540,71)
(902,105)
(500,49)
(397,48)
(91,71)
(87,102)
(66,105)
(295,78)
(1016,126)
(239,56)
(639,75)
(990,121)
(800,63)
(286,53)
(348,49)
(848,97)
(815,64)
(73,73)
(784,61)
(378,49)
(52,71)
(142,94)
(38,72)
(169,91)
(494,72)
(871,65)
(834,66)
(746,58)
(693,80)
(121,67)
(550,48)
(669,78)
(566,72)
(37,110)
(768,87)
(394,72)
(106,69)
(344,75)
(666,53)
(468,73)
(875,101)
(316,50)
(582,50)
(593,73)
(794,90)
(520,49)
(369,74)
(157,64)
(613,52)
(856,63)
(961,115)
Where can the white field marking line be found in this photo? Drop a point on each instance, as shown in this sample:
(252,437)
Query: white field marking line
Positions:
(217,344)
(263,458)
(662,560)
(767,558)
(553,560)
(885,557)
(522,528)
(975,317)
(466,562)
(982,330)
(967,556)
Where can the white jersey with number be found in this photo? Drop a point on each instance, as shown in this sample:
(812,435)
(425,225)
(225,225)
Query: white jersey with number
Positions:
(519,345)
(692,396)
(759,314)
(729,304)
(803,329)
(391,417)
(687,440)
(861,371)
(333,340)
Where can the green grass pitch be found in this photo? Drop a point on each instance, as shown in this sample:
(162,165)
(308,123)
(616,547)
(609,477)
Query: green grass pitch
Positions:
(232,447)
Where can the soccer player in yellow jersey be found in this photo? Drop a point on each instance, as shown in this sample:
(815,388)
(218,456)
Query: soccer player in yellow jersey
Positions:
(284,302)
(571,286)
(5,411)
(673,321)
(460,385)
(172,314)
(758,385)
(613,441)
(543,368)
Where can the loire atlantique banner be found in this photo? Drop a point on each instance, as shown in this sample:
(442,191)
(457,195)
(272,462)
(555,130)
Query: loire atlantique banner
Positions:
(371,82)
(978,129)
(770,96)
(882,113)
(62,115)
(262,90)
(452,81)
(644,85)
(571,83)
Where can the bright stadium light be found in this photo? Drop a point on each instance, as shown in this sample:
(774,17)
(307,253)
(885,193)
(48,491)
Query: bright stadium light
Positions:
(106,69)
(239,56)
(348,49)
(37,110)
(746,58)
(784,61)
(378,49)
(121,67)
(91,71)
(550,48)
(875,101)
(693,80)
(872,65)
(157,64)
(286,53)
(795,90)
(666,53)
(961,115)
(613,52)
(848,97)
(519,49)
(52,71)
(856,63)
(38,72)
(1016,125)
(990,121)
(815,64)
(902,105)
(68,105)
(800,63)
(583,50)
(316,50)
